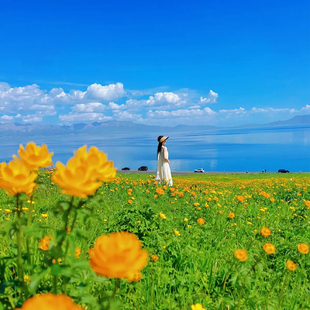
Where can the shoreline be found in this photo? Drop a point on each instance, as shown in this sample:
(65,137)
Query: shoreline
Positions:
(206,172)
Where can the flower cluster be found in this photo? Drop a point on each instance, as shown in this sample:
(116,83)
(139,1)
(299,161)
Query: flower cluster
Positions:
(84,172)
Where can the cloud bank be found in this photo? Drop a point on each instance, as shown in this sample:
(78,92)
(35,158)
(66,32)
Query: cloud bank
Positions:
(31,104)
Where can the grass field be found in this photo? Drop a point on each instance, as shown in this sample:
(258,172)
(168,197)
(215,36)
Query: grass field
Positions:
(223,241)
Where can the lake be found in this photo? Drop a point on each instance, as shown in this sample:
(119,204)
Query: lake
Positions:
(230,150)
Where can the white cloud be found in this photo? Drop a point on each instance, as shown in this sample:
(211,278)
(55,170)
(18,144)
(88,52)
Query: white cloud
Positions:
(193,113)
(234,111)
(105,93)
(88,107)
(32,118)
(211,98)
(6,117)
(114,106)
(126,116)
(71,117)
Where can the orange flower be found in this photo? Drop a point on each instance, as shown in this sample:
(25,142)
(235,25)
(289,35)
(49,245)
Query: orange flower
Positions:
(79,178)
(34,157)
(269,248)
(241,255)
(196,204)
(155,257)
(240,198)
(231,215)
(50,301)
(118,255)
(160,191)
(45,243)
(201,221)
(134,276)
(16,178)
(307,203)
(97,161)
(265,231)
(303,248)
(129,201)
(290,265)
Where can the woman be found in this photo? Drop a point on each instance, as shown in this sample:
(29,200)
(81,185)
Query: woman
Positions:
(163,173)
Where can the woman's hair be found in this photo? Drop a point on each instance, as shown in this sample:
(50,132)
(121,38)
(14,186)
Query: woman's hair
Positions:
(160,144)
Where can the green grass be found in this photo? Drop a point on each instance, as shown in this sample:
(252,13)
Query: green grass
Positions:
(196,267)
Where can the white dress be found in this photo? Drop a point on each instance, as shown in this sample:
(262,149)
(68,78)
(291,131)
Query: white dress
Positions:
(163,173)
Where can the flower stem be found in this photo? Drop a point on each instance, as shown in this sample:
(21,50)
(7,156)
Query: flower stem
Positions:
(282,290)
(18,240)
(55,280)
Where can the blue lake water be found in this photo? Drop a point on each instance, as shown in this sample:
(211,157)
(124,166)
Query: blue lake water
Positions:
(234,150)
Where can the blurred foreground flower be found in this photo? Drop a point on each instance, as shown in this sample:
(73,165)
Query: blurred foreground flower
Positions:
(82,177)
(34,157)
(118,255)
(50,301)
(241,255)
(16,178)
(98,161)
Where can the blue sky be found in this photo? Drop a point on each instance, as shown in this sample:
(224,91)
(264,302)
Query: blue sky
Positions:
(154,62)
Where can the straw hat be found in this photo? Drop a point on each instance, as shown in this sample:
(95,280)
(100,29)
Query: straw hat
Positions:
(163,139)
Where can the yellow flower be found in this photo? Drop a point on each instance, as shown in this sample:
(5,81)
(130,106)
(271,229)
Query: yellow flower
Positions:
(50,301)
(27,279)
(118,255)
(201,221)
(265,231)
(303,248)
(177,233)
(7,211)
(186,220)
(34,157)
(241,255)
(97,161)
(290,265)
(269,248)
(45,243)
(197,307)
(155,257)
(77,252)
(16,178)
(44,215)
(162,215)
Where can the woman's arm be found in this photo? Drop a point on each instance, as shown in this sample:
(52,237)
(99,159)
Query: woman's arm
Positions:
(166,155)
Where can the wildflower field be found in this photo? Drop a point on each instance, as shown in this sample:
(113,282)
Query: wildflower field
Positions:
(81,236)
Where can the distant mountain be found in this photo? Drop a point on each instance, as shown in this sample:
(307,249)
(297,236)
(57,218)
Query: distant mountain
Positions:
(299,120)
(97,128)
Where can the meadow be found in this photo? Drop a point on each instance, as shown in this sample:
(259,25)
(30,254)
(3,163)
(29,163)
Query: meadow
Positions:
(208,242)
